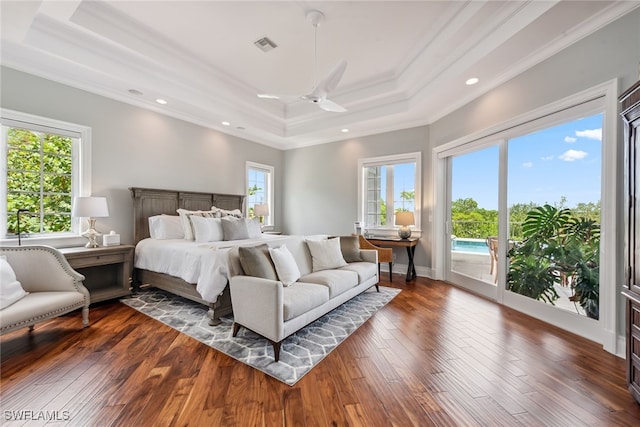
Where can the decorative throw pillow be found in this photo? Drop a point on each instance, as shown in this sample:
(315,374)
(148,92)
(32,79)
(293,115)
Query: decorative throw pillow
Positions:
(286,267)
(326,254)
(256,261)
(165,227)
(207,229)
(234,228)
(253,228)
(350,248)
(10,288)
(224,212)
(185,217)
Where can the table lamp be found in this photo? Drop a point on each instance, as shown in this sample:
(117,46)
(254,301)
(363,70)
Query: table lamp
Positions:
(261,210)
(404,219)
(90,208)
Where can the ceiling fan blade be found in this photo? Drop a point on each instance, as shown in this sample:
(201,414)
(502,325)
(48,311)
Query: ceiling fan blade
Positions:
(330,82)
(285,98)
(329,105)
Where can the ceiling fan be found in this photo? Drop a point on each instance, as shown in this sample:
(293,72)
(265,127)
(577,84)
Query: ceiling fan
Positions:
(325,85)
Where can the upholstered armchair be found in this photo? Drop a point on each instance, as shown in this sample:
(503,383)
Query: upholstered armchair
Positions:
(384,254)
(53,287)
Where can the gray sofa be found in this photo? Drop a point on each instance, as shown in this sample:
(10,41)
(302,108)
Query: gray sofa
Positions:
(269,308)
(54,288)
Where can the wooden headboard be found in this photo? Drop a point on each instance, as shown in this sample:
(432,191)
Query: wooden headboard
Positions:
(149,202)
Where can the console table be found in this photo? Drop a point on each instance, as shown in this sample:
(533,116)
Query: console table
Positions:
(395,242)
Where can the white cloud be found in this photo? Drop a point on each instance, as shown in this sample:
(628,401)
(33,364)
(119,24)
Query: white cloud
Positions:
(527,165)
(546,158)
(573,155)
(590,134)
(570,139)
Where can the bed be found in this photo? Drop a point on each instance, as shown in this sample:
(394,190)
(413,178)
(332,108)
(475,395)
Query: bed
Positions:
(150,202)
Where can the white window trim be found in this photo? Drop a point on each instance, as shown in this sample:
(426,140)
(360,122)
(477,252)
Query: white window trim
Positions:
(385,160)
(609,253)
(269,225)
(81,179)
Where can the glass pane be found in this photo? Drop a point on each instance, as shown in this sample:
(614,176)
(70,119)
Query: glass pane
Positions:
(23,160)
(57,144)
(23,139)
(56,164)
(474,214)
(56,223)
(554,215)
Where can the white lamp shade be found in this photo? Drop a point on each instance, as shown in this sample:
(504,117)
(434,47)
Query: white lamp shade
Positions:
(90,207)
(261,209)
(404,218)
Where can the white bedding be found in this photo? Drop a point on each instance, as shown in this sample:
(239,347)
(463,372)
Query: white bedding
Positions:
(203,264)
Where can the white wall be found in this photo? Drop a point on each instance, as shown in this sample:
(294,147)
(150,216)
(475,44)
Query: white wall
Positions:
(321,184)
(133,147)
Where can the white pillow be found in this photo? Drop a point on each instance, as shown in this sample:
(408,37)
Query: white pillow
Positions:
(185,217)
(165,227)
(10,289)
(326,254)
(253,227)
(286,267)
(207,229)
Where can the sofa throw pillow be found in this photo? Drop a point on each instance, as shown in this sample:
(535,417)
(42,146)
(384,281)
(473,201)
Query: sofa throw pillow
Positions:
(350,248)
(325,254)
(256,261)
(286,267)
(165,227)
(234,228)
(10,288)
(207,229)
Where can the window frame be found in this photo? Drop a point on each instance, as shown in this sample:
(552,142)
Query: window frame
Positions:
(414,157)
(80,169)
(269,220)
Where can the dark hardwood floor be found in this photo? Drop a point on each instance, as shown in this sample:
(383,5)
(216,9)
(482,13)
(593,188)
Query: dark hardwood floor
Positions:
(435,355)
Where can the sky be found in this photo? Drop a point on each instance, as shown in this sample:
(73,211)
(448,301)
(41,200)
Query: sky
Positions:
(544,166)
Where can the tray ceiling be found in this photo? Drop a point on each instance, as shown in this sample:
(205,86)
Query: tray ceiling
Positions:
(407,60)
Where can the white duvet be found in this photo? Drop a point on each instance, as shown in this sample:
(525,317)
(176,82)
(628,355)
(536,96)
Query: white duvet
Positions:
(203,264)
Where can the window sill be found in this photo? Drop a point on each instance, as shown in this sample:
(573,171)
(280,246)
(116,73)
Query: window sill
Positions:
(57,241)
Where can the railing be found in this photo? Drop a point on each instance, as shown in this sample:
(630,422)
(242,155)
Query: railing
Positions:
(483,229)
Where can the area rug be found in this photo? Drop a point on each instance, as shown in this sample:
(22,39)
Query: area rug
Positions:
(299,353)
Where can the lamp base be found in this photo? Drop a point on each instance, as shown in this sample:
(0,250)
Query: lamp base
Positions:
(404,232)
(92,234)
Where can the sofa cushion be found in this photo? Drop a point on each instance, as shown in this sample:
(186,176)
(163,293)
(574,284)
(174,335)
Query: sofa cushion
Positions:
(350,247)
(256,261)
(285,264)
(326,254)
(40,305)
(302,298)
(365,270)
(337,281)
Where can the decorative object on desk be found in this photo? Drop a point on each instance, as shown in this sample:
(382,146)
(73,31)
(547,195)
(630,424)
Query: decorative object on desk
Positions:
(357,227)
(261,210)
(404,219)
(111,239)
(91,208)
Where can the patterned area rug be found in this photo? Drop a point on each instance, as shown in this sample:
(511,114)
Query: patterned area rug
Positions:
(299,353)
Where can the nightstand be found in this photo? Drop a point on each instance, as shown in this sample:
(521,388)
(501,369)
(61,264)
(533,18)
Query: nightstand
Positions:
(107,269)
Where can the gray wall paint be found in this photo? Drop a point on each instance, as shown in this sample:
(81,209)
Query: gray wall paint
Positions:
(134,147)
(322,183)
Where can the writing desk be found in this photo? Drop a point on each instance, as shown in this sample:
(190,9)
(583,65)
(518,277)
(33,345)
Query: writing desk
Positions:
(394,242)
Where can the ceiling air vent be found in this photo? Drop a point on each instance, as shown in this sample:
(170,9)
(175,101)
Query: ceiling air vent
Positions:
(264,44)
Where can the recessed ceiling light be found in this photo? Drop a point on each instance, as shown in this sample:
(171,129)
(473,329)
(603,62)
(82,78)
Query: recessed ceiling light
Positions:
(161,101)
(345,130)
(472,81)
(226,123)
(135,92)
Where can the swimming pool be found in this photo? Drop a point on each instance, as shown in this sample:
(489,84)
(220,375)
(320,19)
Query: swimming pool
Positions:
(475,246)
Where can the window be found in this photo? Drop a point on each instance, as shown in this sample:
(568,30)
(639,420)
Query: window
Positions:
(389,184)
(41,165)
(260,192)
